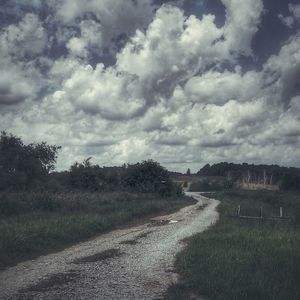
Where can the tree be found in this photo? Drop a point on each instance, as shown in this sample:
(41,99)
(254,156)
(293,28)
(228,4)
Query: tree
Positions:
(85,175)
(150,177)
(21,165)
(188,172)
(205,170)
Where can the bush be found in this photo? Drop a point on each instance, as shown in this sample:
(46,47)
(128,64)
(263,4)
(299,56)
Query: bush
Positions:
(145,177)
(150,177)
(21,165)
(205,185)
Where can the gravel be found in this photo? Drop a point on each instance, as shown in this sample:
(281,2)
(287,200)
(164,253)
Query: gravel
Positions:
(143,267)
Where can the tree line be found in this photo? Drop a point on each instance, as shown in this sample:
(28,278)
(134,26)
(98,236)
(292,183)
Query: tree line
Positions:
(286,178)
(31,167)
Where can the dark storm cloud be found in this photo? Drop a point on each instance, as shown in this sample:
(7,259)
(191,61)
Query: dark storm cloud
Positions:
(218,144)
(13,92)
(172,141)
(291,83)
(220,131)
(6,96)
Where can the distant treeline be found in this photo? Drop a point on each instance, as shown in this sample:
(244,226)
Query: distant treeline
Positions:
(30,167)
(286,178)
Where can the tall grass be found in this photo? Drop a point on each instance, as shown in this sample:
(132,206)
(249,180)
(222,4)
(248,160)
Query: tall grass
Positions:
(243,259)
(36,223)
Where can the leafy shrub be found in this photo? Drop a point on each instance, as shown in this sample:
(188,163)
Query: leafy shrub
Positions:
(150,177)
(206,185)
(21,165)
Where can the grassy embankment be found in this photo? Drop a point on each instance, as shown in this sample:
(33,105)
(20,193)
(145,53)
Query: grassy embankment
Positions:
(32,224)
(244,259)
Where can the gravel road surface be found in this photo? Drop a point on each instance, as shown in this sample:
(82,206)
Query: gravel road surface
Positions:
(135,263)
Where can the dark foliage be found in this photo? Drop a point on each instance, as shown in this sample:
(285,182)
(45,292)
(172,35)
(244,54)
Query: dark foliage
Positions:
(209,185)
(291,181)
(145,177)
(23,166)
(27,167)
(85,176)
(148,177)
(287,178)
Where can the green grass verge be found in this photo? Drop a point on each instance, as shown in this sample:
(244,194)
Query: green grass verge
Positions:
(39,223)
(244,259)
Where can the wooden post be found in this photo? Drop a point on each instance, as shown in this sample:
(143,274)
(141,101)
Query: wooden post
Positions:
(238,210)
(281,212)
(261,212)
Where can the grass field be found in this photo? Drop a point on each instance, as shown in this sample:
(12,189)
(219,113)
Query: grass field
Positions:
(244,259)
(32,224)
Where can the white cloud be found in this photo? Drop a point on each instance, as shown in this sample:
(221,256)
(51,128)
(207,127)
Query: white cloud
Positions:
(147,69)
(19,78)
(115,17)
(219,88)
(150,66)
(26,38)
(288,21)
(293,18)
(242,22)
(172,50)
(90,39)
(169,95)
(104,91)
(14,88)
(282,71)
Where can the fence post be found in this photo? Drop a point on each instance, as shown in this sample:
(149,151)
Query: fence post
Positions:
(281,212)
(238,210)
(261,212)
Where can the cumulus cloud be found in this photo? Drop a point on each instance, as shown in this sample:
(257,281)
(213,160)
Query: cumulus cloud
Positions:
(148,68)
(90,39)
(116,17)
(173,49)
(220,87)
(283,71)
(175,90)
(294,17)
(27,38)
(104,91)
(14,88)
(242,22)
(19,46)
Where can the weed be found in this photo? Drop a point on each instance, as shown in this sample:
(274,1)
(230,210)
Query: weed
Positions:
(38,223)
(239,259)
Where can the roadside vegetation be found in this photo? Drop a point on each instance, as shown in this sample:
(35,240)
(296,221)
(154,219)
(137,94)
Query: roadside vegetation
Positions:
(244,259)
(273,175)
(42,210)
(207,185)
(34,223)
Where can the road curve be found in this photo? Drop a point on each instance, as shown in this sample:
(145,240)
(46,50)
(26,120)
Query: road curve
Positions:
(134,263)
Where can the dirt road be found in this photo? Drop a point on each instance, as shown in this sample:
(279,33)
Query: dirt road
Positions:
(135,263)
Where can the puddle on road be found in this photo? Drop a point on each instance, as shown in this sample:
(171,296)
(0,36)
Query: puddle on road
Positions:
(162,222)
(173,221)
(110,253)
(143,235)
(135,240)
(50,282)
(129,242)
(201,207)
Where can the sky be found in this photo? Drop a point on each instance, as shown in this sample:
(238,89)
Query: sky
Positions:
(183,82)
